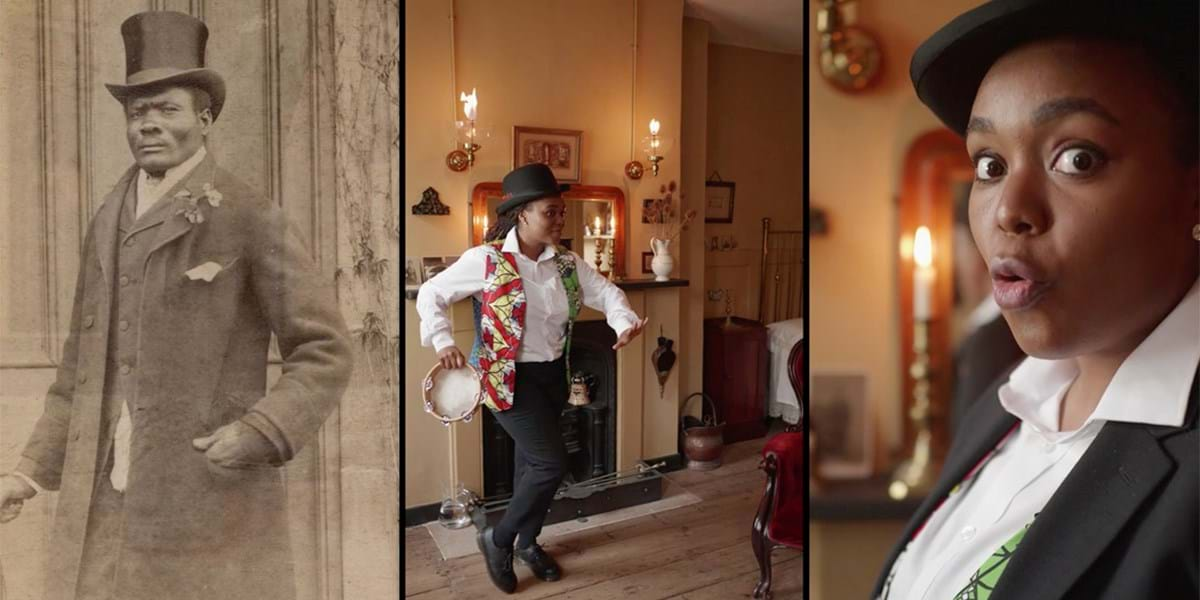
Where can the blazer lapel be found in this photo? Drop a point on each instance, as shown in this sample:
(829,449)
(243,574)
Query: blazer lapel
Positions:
(176,224)
(1114,477)
(105,225)
(984,426)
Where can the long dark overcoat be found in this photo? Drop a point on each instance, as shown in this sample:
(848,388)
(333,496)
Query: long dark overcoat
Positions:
(192,529)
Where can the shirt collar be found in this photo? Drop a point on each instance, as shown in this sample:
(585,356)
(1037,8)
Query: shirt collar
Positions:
(513,246)
(174,174)
(1151,386)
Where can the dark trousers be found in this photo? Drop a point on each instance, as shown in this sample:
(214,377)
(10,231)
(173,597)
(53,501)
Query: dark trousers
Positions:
(541,456)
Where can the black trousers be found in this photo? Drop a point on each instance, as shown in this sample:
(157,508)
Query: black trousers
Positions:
(541,456)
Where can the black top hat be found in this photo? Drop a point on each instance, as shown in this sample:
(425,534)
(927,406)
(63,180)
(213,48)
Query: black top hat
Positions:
(528,183)
(164,48)
(947,68)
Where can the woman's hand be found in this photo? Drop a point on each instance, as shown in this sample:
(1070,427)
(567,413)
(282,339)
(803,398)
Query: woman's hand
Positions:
(631,333)
(452,358)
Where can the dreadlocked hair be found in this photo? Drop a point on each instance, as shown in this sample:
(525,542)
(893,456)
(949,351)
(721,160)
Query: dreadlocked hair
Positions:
(504,223)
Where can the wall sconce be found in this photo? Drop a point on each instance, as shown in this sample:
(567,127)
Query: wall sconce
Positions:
(850,56)
(655,146)
(467,135)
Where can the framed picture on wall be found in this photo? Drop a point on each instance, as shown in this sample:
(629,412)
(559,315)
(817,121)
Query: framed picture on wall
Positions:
(718,202)
(557,148)
(412,271)
(845,441)
(647,257)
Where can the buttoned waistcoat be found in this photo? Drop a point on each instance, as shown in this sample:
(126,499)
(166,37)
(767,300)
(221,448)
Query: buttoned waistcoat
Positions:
(196,360)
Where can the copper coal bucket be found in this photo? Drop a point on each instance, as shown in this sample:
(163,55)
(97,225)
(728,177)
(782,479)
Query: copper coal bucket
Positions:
(703,439)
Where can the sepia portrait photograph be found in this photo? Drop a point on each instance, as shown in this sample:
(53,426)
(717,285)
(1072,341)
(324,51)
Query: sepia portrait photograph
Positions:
(198,312)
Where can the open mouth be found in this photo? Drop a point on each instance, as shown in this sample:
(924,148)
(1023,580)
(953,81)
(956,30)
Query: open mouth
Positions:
(1016,284)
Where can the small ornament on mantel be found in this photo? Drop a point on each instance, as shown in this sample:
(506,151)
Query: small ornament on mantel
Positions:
(430,204)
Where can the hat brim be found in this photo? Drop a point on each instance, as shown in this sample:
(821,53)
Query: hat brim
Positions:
(206,79)
(947,69)
(519,199)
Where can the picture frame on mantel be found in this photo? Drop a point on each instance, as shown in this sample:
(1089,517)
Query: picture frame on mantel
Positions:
(840,403)
(718,201)
(560,149)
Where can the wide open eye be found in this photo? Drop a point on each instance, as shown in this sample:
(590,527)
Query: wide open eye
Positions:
(1078,161)
(988,168)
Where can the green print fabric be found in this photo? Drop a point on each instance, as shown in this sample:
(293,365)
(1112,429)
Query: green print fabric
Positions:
(985,579)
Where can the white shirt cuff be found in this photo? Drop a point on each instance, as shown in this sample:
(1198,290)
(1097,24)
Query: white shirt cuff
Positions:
(442,340)
(33,484)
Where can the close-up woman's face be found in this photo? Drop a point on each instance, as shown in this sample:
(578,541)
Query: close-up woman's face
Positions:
(1082,205)
(543,220)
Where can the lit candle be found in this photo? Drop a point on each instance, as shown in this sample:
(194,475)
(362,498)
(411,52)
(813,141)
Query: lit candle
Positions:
(485,223)
(923,275)
(612,224)
(597,229)
(654,125)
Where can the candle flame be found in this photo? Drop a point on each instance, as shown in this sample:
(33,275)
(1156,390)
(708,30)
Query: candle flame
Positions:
(612,223)
(485,223)
(923,247)
(470,104)
(597,224)
(654,125)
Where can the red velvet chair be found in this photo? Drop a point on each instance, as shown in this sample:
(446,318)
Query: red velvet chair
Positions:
(780,518)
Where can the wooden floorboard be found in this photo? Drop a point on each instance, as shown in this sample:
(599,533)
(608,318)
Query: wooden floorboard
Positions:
(697,552)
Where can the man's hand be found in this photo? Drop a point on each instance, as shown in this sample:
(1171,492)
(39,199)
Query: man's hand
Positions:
(13,494)
(631,333)
(237,446)
(452,358)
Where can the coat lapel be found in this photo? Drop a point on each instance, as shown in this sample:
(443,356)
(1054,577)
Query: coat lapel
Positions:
(1121,469)
(176,224)
(105,225)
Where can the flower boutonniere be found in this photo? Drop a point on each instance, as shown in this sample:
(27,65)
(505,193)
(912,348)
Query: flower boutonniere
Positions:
(191,204)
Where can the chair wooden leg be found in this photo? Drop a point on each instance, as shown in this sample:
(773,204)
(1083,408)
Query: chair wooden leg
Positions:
(758,532)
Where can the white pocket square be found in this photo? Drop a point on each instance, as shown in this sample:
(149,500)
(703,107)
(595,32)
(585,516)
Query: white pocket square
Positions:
(207,271)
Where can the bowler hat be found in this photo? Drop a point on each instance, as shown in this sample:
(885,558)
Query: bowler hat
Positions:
(162,49)
(528,183)
(947,68)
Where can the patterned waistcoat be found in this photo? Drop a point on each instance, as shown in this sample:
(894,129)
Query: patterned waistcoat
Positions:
(500,321)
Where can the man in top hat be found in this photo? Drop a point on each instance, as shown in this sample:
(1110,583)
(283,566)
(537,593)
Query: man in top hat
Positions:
(159,432)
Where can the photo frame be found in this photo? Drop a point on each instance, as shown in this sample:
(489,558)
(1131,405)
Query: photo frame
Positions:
(840,403)
(647,257)
(718,201)
(646,204)
(560,149)
(412,271)
(432,265)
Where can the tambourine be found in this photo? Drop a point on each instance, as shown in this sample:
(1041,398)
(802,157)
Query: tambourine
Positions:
(452,394)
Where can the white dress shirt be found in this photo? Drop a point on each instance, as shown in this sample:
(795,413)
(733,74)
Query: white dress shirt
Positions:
(149,192)
(1151,386)
(546,309)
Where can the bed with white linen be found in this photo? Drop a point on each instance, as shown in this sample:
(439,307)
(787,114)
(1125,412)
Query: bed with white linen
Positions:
(782,337)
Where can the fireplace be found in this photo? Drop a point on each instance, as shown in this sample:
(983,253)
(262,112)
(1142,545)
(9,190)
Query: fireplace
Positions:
(589,431)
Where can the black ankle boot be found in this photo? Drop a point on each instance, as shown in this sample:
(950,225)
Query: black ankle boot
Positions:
(499,561)
(542,564)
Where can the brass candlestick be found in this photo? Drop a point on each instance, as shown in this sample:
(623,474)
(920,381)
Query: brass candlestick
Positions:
(599,251)
(611,264)
(917,473)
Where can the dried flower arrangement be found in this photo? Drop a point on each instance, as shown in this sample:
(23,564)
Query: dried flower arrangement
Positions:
(666,221)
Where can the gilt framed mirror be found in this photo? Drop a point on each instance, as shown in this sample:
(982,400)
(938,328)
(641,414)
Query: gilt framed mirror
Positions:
(595,221)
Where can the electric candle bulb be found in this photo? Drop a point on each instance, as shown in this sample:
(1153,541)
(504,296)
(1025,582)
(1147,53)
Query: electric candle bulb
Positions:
(654,125)
(470,104)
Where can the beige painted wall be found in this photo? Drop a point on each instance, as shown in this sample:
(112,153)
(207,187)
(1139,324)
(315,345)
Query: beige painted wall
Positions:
(533,63)
(755,139)
(693,150)
(858,145)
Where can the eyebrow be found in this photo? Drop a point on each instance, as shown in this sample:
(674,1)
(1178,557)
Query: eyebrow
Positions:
(160,104)
(1050,111)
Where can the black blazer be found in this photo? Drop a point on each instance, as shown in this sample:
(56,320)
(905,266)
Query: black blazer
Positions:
(983,356)
(1124,524)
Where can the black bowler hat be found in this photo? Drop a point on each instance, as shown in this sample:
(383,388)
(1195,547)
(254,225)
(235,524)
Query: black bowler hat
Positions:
(529,183)
(947,68)
(164,48)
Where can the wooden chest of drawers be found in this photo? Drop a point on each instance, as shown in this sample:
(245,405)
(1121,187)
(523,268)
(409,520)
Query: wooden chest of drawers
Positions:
(735,375)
